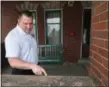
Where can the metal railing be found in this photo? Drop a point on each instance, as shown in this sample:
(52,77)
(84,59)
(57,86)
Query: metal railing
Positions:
(49,52)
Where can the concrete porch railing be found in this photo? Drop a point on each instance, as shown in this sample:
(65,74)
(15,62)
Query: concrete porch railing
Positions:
(47,81)
(68,74)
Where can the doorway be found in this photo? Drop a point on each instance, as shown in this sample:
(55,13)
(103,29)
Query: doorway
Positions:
(86,33)
(52,50)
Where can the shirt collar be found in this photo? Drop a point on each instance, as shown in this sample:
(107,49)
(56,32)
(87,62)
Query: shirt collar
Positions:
(20,30)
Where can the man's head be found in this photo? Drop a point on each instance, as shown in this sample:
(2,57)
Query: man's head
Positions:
(25,21)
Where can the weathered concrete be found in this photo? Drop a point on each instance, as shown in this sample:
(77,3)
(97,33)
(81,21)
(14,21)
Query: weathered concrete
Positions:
(48,81)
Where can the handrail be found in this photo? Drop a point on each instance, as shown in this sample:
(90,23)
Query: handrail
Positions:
(49,50)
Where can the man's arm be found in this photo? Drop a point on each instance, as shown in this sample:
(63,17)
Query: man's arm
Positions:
(18,63)
(13,52)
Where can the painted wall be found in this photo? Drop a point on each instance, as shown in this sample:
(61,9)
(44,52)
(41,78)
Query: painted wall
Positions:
(41,28)
(72,23)
(9,17)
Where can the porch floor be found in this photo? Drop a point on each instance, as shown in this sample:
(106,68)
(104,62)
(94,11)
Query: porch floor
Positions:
(66,69)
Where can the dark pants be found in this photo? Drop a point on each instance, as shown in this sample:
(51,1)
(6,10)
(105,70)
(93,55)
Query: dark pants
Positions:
(22,72)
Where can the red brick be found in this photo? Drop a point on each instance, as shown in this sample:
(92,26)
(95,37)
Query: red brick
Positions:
(104,16)
(105,62)
(93,40)
(94,48)
(95,67)
(104,71)
(91,34)
(102,84)
(90,72)
(104,2)
(90,53)
(96,3)
(95,19)
(91,60)
(92,19)
(107,25)
(106,44)
(99,42)
(99,66)
(100,34)
(101,25)
(96,72)
(97,57)
(93,26)
(89,69)
(103,52)
(105,81)
(103,7)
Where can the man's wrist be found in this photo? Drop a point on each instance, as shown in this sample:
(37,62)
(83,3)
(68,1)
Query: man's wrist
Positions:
(30,65)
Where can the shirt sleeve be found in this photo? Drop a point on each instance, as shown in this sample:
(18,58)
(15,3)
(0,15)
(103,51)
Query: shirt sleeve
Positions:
(12,47)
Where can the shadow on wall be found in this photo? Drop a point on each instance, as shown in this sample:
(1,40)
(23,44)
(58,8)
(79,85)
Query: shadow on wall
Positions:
(4,61)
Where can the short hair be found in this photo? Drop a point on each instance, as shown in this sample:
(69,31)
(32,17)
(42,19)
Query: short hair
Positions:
(26,12)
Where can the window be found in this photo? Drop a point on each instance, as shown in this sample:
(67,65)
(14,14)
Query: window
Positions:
(53,27)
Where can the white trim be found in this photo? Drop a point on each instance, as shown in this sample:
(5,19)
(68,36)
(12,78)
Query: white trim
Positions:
(82,34)
(82,30)
(36,22)
(37,27)
(62,26)
(44,27)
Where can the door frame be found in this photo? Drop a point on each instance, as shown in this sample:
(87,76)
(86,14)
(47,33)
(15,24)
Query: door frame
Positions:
(36,25)
(61,10)
(81,59)
(61,31)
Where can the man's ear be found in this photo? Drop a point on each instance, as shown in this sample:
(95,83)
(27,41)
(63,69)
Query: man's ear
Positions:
(18,20)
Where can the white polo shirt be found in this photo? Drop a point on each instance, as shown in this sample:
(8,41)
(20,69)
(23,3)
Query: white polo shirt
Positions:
(21,45)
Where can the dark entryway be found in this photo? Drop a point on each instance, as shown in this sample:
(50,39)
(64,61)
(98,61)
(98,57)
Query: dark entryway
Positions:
(86,33)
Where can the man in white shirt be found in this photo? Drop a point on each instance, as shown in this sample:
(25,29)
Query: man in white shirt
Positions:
(21,47)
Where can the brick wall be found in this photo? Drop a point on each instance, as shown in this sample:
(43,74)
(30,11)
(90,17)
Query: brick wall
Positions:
(98,66)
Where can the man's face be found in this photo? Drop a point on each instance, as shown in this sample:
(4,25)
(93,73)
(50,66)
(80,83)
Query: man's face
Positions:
(26,23)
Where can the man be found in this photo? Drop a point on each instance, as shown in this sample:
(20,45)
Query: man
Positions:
(21,47)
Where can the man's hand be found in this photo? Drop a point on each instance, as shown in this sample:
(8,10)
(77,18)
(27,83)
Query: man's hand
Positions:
(38,70)
(20,64)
